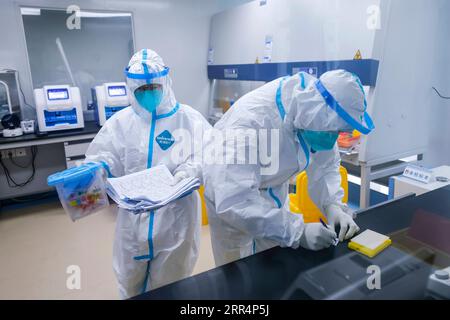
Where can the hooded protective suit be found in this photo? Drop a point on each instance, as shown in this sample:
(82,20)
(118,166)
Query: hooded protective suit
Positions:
(157,247)
(247,208)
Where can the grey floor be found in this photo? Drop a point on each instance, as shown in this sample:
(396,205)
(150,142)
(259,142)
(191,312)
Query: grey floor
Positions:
(39,243)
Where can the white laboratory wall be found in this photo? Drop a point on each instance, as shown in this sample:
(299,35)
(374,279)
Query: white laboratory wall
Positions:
(409,44)
(439,109)
(301,30)
(177,29)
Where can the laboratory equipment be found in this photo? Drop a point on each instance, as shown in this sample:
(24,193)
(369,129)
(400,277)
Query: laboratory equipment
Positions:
(81,190)
(27,126)
(108,99)
(401,275)
(439,284)
(58,108)
(11,123)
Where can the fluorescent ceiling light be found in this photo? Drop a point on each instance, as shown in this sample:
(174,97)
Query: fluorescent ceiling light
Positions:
(87,14)
(30,11)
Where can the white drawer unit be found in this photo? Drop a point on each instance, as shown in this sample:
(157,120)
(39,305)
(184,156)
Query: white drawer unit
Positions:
(75,151)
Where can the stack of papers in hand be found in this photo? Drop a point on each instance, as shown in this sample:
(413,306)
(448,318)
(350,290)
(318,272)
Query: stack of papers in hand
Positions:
(149,189)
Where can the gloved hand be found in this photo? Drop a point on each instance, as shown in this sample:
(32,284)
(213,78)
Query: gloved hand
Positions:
(337,216)
(180,175)
(317,237)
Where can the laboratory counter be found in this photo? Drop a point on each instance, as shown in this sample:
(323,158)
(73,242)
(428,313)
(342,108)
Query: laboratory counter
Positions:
(419,227)
(45,154)
(89,131)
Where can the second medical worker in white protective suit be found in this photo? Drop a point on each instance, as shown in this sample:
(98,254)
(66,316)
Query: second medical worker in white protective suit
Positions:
(247,209)
(153,248)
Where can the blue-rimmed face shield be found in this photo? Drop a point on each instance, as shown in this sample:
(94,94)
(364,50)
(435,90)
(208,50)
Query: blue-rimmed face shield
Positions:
(149,88)
(357,124)
(147,75)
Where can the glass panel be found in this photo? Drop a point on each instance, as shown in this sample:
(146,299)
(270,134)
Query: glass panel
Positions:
(95,53)
(8,84)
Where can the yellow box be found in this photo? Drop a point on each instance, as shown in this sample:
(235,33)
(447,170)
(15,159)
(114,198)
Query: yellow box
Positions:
(367,251)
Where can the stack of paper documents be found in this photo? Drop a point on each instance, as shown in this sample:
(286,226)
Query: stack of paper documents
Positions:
(148,190)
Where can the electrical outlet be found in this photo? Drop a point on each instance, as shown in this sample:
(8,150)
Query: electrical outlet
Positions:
(6,154)
(14,153)
(21,152)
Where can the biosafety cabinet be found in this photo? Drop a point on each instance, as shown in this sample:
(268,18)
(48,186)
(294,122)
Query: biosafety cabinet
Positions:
(262,40)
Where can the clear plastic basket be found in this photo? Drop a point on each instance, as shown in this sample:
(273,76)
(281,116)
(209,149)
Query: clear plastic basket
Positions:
(81,190)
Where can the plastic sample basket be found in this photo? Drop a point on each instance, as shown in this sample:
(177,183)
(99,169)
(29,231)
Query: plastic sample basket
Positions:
(81,190)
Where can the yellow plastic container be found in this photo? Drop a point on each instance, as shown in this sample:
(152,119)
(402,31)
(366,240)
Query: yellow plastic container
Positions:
(301,203)
(201,190)
(367,251)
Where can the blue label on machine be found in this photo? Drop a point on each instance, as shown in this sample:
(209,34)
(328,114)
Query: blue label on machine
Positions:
(110,111)
(53,118)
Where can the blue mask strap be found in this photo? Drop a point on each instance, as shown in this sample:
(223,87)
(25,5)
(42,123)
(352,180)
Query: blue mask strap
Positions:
(333,104)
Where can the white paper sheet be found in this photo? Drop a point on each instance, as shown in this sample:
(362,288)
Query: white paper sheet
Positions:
(149,189)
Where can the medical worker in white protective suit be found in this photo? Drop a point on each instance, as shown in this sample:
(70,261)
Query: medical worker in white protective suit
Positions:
(248,210)
(153,248)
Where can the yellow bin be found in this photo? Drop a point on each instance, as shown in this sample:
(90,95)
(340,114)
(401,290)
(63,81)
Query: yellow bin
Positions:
(301,203)
(201,190)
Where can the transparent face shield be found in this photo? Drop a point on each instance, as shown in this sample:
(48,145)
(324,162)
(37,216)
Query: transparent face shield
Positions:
(325,140)
(364,125)
(149,88)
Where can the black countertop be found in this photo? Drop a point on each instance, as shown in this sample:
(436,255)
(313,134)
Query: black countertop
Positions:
(267,275)
(89,128)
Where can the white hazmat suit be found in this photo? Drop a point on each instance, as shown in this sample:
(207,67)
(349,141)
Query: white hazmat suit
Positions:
(157,247)
(248,210)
